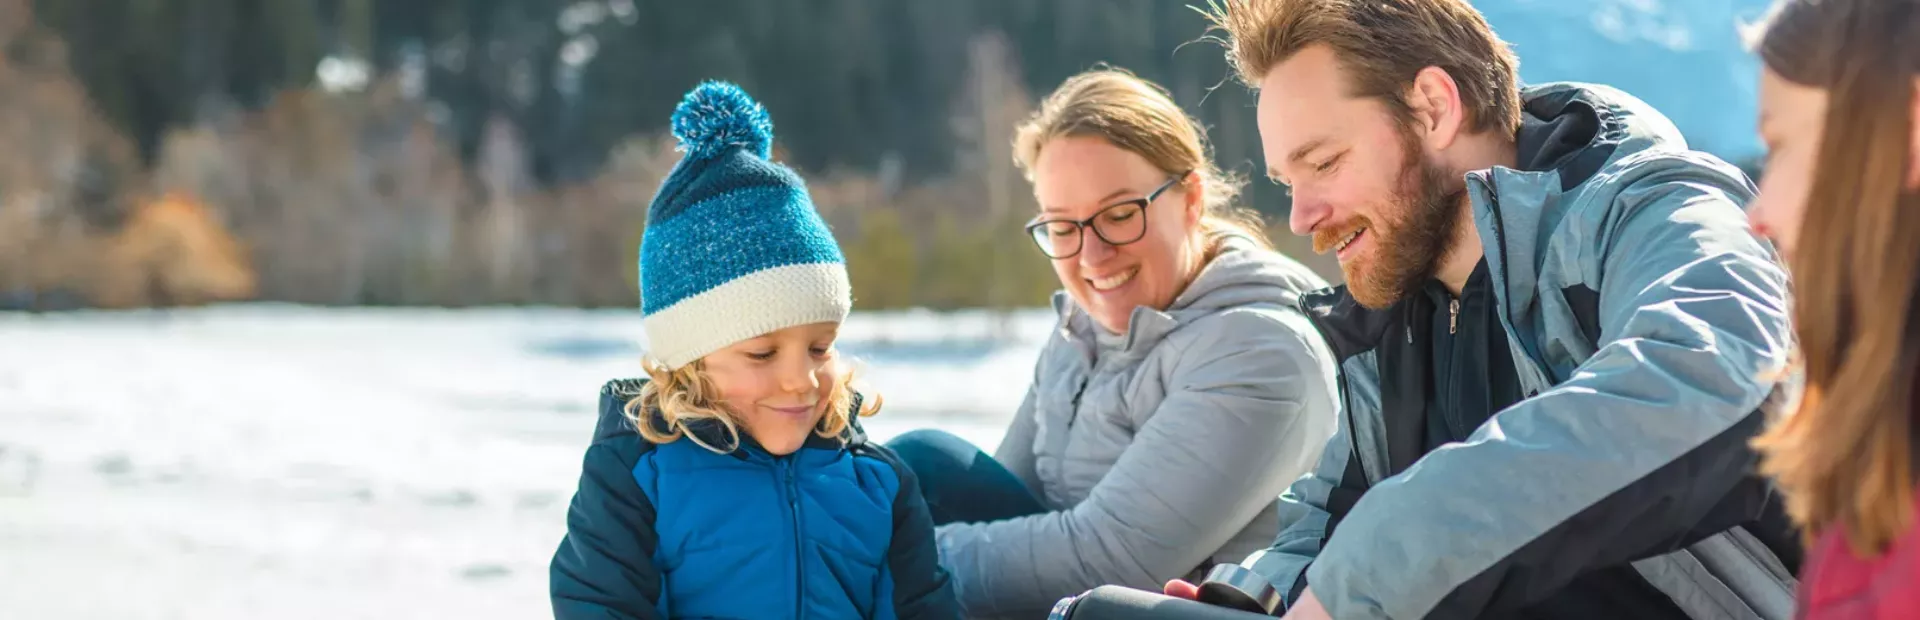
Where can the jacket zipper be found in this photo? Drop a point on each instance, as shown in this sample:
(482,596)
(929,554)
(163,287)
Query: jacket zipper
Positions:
(1444,392)
(799,550)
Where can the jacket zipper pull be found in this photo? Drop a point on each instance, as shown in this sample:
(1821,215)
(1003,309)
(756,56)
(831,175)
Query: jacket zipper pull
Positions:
(1453,316)
(793,491)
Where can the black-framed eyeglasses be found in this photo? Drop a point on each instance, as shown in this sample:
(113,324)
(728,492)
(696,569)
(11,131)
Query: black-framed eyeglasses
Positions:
(1120,223)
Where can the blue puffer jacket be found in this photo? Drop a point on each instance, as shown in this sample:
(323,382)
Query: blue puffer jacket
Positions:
(837,529)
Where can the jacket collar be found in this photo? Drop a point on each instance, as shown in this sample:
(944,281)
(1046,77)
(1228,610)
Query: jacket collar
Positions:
(1239,274)
(1568,133)
(1572,144)
(1348,327)
(1145,328)
(613,421)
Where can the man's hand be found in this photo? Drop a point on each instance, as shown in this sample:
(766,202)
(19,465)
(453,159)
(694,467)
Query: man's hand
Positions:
(1181,589)
(1307,608)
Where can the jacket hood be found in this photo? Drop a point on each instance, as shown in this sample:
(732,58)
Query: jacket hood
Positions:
(1578,144)
(1588,156)
(1572,130)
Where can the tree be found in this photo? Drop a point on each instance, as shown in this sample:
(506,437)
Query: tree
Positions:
(881,263)
(994,104)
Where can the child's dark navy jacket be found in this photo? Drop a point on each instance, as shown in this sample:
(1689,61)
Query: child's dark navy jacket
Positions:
(835,530)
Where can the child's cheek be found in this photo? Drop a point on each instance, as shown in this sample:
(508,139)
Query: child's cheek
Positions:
(828,377)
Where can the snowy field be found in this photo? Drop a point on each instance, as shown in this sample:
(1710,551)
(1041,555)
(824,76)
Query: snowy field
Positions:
(293,463)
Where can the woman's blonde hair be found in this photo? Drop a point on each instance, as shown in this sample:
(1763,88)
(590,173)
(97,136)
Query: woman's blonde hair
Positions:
(1139,116)
(687,395)
(1845,457)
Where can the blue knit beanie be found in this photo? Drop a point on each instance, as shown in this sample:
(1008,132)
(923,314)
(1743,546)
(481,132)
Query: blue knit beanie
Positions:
(733,247)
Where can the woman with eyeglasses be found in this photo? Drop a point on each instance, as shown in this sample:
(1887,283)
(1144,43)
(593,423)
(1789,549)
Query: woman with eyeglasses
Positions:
(1180,393)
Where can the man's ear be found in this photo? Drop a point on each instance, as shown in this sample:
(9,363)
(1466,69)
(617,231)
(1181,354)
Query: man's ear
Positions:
(1438,115)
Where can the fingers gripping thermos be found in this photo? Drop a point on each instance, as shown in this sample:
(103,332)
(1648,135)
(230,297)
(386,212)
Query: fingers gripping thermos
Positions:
(1229,592)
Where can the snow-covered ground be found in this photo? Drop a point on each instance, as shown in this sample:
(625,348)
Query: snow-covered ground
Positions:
(286,462)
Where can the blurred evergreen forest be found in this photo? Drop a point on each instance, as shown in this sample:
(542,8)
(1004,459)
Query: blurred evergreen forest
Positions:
(457,152)
(462,152)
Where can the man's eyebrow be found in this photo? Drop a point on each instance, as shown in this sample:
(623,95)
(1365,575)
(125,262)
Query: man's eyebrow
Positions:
(1301,153)
(1273,173)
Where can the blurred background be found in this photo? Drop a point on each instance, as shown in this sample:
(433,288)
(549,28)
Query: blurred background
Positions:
(304,303)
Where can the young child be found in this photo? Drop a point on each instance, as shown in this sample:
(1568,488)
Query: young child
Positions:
(735,482)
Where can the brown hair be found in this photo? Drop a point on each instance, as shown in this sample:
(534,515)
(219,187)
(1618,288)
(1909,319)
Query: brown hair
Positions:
(1140,117)
(1382,44)
(687,395)
(1845,457)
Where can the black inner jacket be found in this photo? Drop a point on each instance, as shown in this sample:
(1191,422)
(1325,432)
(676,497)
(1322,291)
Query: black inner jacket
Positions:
(1472,377)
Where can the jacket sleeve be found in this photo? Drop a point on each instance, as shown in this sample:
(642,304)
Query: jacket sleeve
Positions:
(1248,407)
(1616,463)
(921,588)
(604,567)
(1306,510)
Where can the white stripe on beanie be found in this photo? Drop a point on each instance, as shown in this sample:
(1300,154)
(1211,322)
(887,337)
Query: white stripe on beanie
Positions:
(747,307)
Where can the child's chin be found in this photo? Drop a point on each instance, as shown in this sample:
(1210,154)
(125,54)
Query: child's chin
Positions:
(783,446)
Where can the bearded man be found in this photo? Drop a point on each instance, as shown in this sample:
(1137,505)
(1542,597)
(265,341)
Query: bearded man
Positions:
(1556,338)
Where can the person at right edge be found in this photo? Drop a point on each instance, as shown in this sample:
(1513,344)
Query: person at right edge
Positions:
(1557,336)
(1840,114)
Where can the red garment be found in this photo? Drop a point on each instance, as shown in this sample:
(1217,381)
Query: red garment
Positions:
(1837,585)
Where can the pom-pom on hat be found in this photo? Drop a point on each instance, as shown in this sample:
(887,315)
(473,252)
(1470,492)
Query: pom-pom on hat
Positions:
(733,247)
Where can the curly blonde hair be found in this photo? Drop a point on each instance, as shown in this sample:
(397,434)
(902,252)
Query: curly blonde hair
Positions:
(688,395)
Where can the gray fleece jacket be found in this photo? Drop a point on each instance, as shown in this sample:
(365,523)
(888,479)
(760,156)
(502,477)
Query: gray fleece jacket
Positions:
(1162,450)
